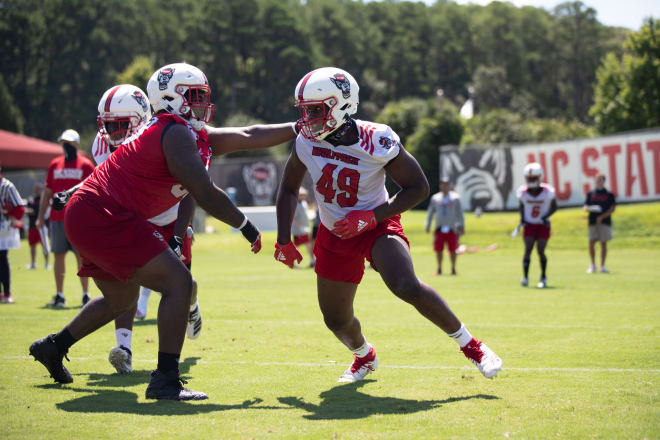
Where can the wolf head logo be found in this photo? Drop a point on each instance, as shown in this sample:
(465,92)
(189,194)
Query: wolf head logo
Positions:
(342,84)
(164,77)
(139,97)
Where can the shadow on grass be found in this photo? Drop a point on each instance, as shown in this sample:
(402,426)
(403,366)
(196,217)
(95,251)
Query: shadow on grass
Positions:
(110,401)
(119,401)
(346,402)
(67,307)
(135,377)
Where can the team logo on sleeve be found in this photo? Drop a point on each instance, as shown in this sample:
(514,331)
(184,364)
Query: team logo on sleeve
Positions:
(139,97)
(342,84)
(164,77)
(387,143)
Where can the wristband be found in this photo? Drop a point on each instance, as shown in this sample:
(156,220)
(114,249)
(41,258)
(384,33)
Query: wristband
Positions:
(250,232)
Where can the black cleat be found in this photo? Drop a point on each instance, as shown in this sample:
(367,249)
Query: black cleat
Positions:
(170,386)
(45,351)
(85,299)
(57,302)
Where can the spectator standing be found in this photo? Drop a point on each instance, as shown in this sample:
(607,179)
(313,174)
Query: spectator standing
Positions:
(601,204)
(10,214)
(34,236)
(446,207)
(64,172)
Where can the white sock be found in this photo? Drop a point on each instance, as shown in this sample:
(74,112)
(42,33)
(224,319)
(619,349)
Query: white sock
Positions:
(123,336)
(60,294)
(462,336)
(85,293)
(362,351)
(194,306)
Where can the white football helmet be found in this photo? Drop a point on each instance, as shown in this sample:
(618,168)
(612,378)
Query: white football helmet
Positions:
(122,110)
(181,89)
(533,174)
(325,97)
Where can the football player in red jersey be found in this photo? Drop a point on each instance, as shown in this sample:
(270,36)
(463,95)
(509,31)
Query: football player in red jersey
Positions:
(107,220)
(123,109)
(348,160)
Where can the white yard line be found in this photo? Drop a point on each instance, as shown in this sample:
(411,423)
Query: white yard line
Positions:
(420,323)
(334,364)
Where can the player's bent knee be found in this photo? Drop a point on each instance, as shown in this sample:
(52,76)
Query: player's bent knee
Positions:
(336,325)
(408,289)
(180,284)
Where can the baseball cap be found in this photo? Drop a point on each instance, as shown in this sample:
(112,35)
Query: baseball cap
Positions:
(69,135)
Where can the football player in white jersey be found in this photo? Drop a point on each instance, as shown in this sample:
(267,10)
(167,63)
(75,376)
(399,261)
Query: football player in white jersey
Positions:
(348,160)
(537,204)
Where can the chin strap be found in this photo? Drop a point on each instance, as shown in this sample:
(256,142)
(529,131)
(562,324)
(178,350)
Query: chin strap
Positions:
(339,133)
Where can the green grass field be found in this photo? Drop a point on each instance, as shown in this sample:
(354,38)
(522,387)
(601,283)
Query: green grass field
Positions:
(581,359)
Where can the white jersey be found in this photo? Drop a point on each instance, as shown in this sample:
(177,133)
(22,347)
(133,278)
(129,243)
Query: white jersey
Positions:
(101,151)
(536,207)
(349,177)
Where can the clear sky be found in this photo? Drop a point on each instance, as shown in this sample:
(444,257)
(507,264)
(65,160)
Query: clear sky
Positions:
(624,13)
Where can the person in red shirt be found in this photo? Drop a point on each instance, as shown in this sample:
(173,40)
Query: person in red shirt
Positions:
(64,172)
(107,221)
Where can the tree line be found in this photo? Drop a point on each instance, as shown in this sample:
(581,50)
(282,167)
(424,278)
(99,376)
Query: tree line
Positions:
(531,72)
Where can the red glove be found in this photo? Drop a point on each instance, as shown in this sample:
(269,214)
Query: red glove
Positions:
(256,245)
(355,223)
(287,253)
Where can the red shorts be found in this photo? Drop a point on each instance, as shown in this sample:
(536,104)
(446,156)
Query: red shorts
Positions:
(34,236)
(539,232)
(167,231)
(112,241)
(343,260)
(445,237)
(300,239)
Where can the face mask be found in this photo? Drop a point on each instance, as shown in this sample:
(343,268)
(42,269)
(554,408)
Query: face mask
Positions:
(70,151)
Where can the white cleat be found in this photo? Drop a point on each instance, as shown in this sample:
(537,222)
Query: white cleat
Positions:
(121,358)
(592,268)
(603,269)
(140,315)
(484,358)
(524,282)
(194,323)
(543,283)
(360,367)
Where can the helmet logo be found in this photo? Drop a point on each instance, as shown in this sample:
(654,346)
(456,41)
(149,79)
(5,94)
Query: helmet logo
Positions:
(164,77)
(139,97)
(342,84)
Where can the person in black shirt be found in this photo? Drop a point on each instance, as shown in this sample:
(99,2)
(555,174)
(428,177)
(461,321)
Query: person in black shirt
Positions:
(34,236)
(600,203)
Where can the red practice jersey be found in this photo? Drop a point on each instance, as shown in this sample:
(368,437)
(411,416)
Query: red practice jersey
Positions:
(136,175)
(63,175)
